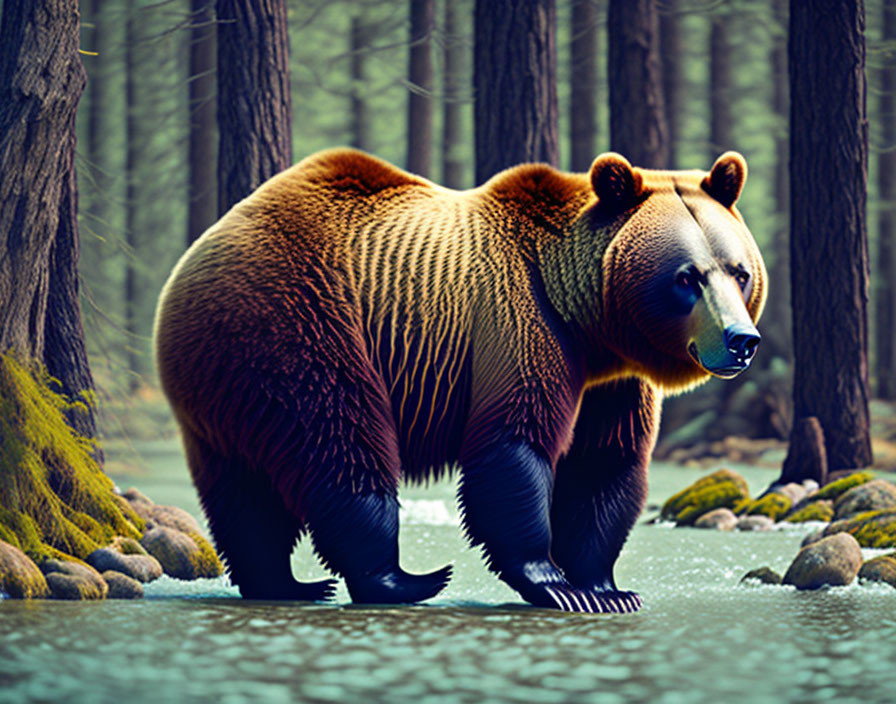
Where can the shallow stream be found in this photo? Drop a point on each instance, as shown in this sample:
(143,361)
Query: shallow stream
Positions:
(700,637)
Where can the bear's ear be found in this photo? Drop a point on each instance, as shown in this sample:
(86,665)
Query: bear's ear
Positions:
(616,184)
(726,178)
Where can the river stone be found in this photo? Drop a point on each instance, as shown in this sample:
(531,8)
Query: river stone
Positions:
(821,510)
(135,496)
(813,537)
(793,491)
(873,529)
(121,586)
(73,580)
(143,568)
(880,569)
(834,561)
(719,519)
(721,489)
(755,523)
(182,556)
(20,578)
(875,495)
(766,575)
(168,516)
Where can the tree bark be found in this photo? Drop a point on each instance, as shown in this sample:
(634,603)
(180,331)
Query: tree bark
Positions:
(637,116)
(360,138)
(583,84)
(133,162)
(453,78)
(98,104)
(885,323)
(419,150)
(721,122)
(254,107)
(829,248)
(670,56)
(202,156)
(514,84)
(41,80)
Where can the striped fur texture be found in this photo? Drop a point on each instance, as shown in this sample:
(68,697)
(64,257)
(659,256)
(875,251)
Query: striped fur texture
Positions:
(350,323)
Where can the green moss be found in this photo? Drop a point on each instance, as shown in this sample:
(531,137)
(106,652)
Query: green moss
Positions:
(873,529)
(721,489)
(816,511)
(55,500)
(207,562)
(773,505)
(844,484)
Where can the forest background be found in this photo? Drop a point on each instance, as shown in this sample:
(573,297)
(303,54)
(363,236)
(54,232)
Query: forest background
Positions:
(148,178)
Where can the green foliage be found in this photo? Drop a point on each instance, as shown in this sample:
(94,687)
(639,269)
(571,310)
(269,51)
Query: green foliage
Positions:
(721,489)
(844,484)
(773,505)
(55,500)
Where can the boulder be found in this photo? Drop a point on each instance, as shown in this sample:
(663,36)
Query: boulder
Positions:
(833,561)
(143,568)
(813,537)
(765,575)
(773,505)
(168,516)
(793,491)
(844,484)
(121,586)
(873,529)
(718,519)
(880,569)
(876,495)
(755,523)
(182,555)
(73,580)
(721,489)
(821,510)
(20,578)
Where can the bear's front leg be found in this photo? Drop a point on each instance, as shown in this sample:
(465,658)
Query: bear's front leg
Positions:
(601,484)
(505,496)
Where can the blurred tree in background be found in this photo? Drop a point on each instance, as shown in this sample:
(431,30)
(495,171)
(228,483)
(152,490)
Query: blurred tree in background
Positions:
(667,82)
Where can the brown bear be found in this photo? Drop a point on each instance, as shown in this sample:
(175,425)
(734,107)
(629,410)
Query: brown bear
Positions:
(350,324)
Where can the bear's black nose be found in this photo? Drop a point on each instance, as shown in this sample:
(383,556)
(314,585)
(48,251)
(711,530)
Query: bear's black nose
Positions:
(742,341)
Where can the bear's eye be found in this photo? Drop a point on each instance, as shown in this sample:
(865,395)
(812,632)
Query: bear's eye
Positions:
(685,280)
(742,277)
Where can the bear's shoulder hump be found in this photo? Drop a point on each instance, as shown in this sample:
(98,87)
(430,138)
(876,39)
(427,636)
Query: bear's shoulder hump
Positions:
(352,171)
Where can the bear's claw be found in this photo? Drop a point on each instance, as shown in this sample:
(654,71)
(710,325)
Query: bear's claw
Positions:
(397,586)
(580,600)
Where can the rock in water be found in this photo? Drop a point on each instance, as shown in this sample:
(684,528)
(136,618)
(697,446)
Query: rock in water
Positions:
(822,510)
(755,523)
(774,505)
(880,569)
(721,489)
(143,568)
(832,561)
(73,580)
(876,495)
(842,485)
(20,578)
(121,586)
(182,555)
(719,519)
(765,575)
(873,529)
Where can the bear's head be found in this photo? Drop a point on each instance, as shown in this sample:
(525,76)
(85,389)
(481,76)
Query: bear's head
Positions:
(683,280)
(681,283)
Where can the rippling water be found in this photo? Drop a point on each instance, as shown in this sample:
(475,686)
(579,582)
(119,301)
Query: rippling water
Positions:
(700,636)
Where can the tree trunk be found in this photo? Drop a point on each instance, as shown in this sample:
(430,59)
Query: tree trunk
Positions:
(514,84)
(453,78)
(202,157)
(670,60)
(829,249)
(637,117)
(254,108)
(419,154)
(886,184)
(583,84)
(98,105)
(133,162)
(359,119)
(721,123)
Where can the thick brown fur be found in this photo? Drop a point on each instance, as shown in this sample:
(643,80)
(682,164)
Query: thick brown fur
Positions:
(349,323)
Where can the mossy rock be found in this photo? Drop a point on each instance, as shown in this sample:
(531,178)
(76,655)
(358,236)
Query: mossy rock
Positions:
(842,485)
(721,489)
(182,555)
(20,578)
(876,495)
(832,561)
(55,500)
(873,529)
(121,586)
(73,580)
(880,569)
(822,510)
(773,505)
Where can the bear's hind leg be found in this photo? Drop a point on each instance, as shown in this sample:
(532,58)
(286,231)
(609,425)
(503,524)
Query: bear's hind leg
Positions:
(356,535)
(252,529)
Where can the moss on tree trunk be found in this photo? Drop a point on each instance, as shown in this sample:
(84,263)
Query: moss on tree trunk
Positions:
(55,500)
